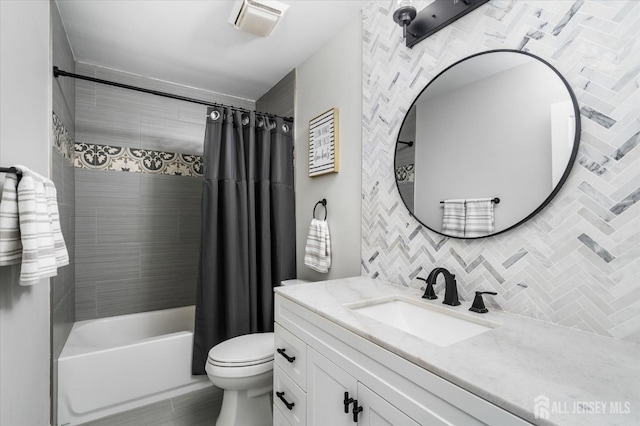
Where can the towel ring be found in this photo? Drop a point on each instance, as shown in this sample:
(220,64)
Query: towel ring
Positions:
(324,204)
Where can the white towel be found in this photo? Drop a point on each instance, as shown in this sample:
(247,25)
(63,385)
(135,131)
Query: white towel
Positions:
(453,221)
(10,245)
(317,254)
(43,247)
(479,219)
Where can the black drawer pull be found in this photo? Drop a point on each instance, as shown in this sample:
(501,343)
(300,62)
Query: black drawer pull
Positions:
(287,357)
(288,404)
(347,401)
(356,411)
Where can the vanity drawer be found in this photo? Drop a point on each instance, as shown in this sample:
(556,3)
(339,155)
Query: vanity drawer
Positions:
(289,398)
(291,355)
(278,418)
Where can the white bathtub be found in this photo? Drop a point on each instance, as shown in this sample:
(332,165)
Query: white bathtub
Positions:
(114,364)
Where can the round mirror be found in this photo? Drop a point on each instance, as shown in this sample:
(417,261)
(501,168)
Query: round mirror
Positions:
(487,144)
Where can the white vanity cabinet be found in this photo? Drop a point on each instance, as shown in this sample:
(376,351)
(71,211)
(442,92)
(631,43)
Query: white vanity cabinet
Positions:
(330,387)
(324,360)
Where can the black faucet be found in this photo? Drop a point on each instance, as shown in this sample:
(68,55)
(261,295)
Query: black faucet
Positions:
(429,292)
(451,290)
(478,304)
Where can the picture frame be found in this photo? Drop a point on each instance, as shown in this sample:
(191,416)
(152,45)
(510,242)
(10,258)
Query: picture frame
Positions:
(323,143)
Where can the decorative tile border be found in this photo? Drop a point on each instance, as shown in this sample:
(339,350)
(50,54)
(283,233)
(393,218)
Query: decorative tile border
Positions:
(108,157)
(136,160)
(62,140)
(405,174)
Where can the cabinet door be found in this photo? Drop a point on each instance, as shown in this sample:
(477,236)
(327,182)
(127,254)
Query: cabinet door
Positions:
(326,387)
(379,412)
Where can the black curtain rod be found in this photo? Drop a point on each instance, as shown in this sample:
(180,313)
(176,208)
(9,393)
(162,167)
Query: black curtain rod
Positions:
(58,72)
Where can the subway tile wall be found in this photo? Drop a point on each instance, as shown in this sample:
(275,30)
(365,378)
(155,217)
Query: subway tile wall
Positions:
(280,99)
(577,263)
(138,240)
(137,234)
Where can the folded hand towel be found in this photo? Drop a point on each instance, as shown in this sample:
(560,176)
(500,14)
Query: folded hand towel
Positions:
(479,220)
(43,247)
(10,244)
(318,249)
(453,221)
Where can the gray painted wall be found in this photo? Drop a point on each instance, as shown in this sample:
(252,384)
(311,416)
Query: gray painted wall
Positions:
(25,129)
(331,78)
(137,234)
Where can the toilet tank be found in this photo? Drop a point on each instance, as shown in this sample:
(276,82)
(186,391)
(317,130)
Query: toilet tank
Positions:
(293,282)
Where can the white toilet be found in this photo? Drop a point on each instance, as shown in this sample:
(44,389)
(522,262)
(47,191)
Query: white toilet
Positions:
(243,368)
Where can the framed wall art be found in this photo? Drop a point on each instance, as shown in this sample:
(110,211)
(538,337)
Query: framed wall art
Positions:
(323,143)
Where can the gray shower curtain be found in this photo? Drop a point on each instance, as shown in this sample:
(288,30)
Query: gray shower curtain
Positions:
(248,226)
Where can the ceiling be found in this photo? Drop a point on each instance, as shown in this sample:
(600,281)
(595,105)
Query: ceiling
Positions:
(192,42)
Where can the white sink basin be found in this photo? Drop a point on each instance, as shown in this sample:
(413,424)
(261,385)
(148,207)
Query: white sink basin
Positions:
(433,323)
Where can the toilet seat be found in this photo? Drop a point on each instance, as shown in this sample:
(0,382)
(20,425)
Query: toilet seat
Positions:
(242,356)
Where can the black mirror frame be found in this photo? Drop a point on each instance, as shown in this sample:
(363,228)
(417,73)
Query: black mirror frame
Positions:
(565,175)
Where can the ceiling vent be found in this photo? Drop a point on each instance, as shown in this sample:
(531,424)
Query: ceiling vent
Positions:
(257,17)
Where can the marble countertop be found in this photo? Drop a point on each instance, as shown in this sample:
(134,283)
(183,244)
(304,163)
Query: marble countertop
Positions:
(587,379)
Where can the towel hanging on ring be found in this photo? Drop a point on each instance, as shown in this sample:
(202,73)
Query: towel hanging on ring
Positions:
(318,248)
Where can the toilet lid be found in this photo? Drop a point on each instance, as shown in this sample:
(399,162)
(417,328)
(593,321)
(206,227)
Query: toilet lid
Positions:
(247,349)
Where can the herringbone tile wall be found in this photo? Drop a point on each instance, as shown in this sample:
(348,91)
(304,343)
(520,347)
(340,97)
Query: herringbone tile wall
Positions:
(577,263)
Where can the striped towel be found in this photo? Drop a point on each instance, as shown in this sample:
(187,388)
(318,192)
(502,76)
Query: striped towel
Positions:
(10,244)
(39,242)
(453,218)
(479,220)
(317,254)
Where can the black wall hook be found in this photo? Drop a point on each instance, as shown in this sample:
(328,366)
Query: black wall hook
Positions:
(324,204)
